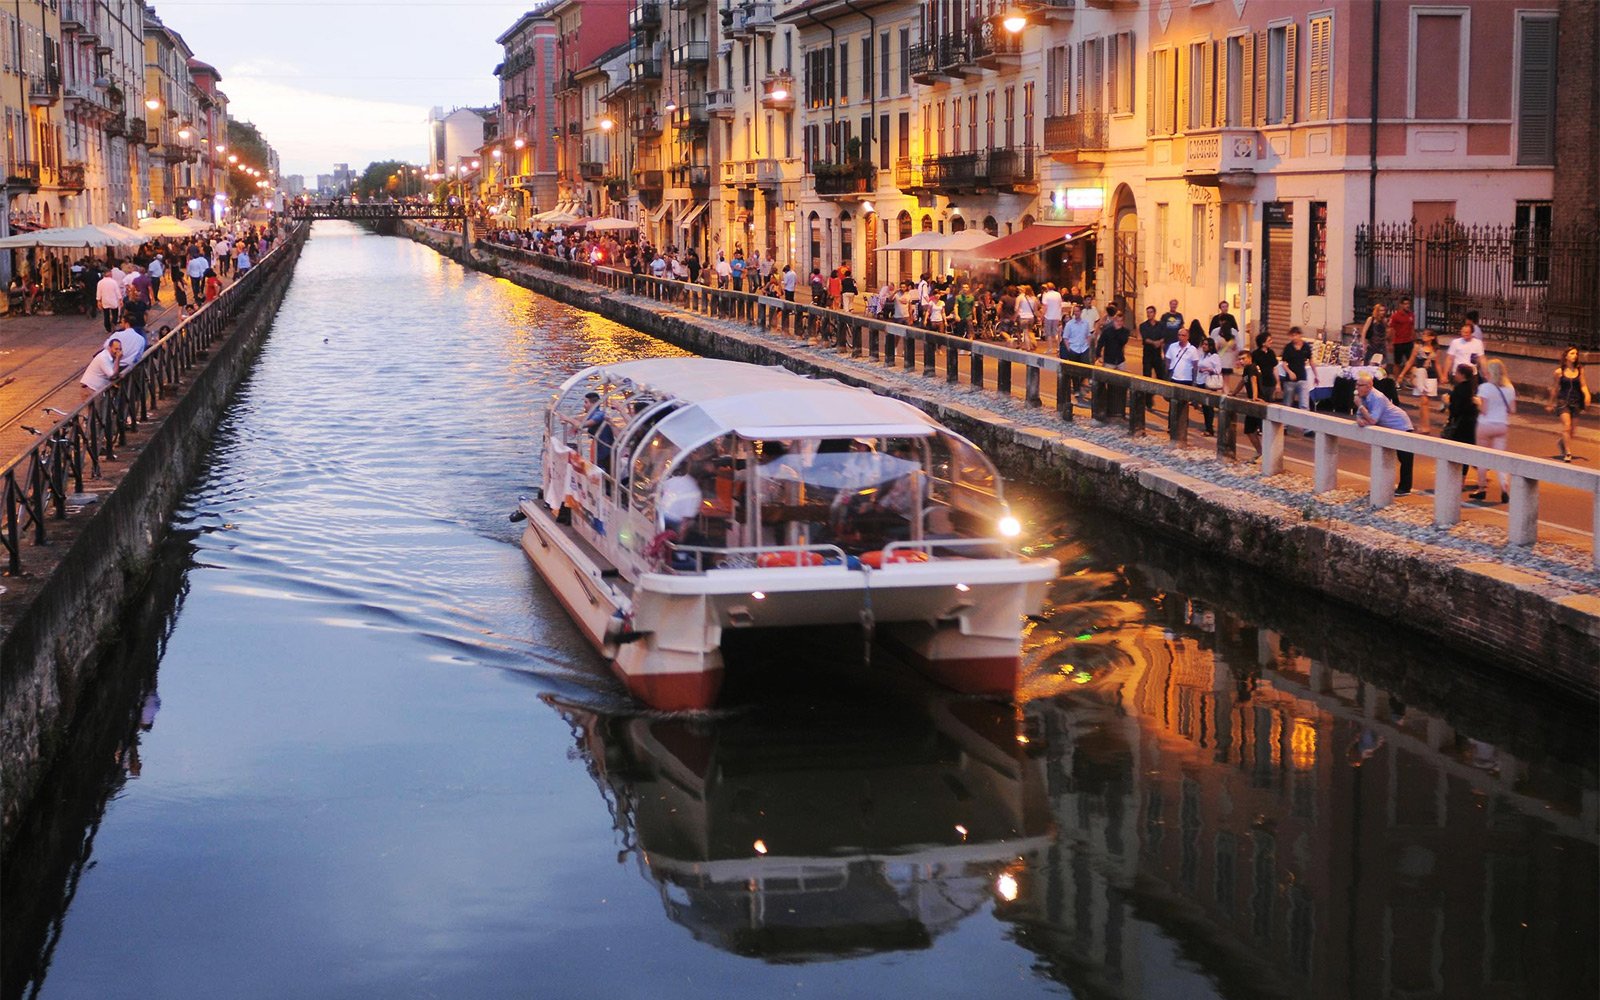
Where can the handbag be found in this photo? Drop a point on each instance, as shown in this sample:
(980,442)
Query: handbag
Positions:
(1214,381)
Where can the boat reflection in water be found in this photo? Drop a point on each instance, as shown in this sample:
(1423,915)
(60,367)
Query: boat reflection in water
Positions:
(800,838)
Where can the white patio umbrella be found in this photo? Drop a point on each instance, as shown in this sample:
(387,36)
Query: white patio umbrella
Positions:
(611,225)
(163,225)
(86,237)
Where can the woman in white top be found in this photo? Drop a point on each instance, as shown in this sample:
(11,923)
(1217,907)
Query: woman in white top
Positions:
(1226,342)
(1027,309)
(1208,369)
(1497,400)
(936,314)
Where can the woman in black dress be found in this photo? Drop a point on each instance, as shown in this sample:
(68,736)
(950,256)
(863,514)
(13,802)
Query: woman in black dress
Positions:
(1462,422)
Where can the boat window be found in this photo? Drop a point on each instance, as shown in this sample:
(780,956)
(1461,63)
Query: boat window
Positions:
(649,469)
(636,433)
(857,493)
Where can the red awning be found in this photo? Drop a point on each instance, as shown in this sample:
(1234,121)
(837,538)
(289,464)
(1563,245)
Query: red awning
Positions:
(1031,239)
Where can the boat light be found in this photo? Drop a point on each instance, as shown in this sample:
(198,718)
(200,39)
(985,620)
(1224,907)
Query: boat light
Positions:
(961,830)
(1006,886)
(963,587)
(758,595)
(1010,526)
(761,847)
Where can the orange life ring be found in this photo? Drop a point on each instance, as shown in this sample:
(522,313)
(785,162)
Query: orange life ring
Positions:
(775,560)
(875,559)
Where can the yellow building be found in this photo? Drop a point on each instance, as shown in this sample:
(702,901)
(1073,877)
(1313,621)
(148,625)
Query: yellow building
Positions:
(30,91)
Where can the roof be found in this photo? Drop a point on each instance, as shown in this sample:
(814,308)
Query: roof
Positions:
(1027,240)
(757,402)
(812,11)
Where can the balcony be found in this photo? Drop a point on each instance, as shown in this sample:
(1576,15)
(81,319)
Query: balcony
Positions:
(692,175)
(907,174)
(943,59)
(759,173)
(777,92)
(855,180)
(646,124)
(953,172)
(691,115)
(691,54)
(117,125)
(687,4)
(72,15)
(995,48)
(44,91)
(1068,137)
(137,130)
(591,170)
(755,19)
(646,17)
(1222,156)
(23,174)
(1012,168)
(649,180)
(641,70)
(719,103)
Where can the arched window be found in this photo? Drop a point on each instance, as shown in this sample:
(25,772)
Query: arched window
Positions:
(847,240)
(958,225)
(1027,220)
(990,226)
(816,239)
(903,227)
(927,223)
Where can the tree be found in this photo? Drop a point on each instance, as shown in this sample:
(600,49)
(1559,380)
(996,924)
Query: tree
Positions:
(384,177)
(245,142)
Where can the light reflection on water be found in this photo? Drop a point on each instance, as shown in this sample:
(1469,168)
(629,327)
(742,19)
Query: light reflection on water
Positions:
(1215,787)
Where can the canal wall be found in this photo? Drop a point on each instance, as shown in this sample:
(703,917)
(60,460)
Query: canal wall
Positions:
(1534,625)
(70,605)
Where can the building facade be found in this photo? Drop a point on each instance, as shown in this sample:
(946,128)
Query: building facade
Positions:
(31,102)
(527,112)
(753,110)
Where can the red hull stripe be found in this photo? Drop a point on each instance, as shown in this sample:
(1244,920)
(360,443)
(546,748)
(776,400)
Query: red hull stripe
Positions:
(683,692)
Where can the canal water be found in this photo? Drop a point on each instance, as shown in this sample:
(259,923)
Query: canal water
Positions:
(350,747)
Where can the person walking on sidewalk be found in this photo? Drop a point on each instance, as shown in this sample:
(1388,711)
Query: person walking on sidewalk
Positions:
(1496,400)
(155,269)
(1422,367)
(108,296)
(847,289)
(1569,396)
(196,269)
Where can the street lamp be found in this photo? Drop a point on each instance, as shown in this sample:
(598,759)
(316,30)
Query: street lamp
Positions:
(233,157)
(1014,22)
(607,124)
(520,142)
(184,133)
(153,104)
(221,148)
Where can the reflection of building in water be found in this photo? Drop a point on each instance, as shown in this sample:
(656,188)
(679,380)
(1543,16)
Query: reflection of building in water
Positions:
(1305,835)
(770,839)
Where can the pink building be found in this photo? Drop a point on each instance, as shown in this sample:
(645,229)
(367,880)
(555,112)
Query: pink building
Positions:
(527,128)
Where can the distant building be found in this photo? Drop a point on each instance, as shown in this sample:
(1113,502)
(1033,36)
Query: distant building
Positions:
(527,114)
(325,184)
(294,185)
(453,136)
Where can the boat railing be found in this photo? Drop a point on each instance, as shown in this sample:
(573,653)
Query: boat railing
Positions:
(701,558)
(966,548)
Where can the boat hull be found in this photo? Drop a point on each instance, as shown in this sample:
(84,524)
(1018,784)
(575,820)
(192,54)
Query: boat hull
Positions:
(958,621)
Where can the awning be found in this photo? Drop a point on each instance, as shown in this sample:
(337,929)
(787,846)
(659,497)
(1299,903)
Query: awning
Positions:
(1029,240)
(968,239)
(693,215)
(661,210)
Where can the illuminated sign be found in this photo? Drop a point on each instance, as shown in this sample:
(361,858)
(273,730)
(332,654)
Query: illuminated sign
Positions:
(1077,198)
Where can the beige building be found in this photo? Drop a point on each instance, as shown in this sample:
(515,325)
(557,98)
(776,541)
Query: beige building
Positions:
(38,192)
(102,62)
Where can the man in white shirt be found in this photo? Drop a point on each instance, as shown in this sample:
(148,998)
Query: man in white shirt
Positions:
(196,270)
(1090,314)
(1181,357)
(155,270)
(1466,349)
(791,278)
(131,342)
(108,296)
(102,369)
(1051,302)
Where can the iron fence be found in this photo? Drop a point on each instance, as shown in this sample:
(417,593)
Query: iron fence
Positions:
(36,485)
(1530,285)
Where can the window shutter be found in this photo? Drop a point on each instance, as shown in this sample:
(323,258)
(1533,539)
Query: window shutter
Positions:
(1180,58)
(1066,80)
(1150,96)
(1261,78)
(1319,56)
(1247,76)
(1083,57)
(1208,84)
(1221,55)
(1536,92)
(1291,69)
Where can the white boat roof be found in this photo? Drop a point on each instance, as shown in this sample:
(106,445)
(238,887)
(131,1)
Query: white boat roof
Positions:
(759,403)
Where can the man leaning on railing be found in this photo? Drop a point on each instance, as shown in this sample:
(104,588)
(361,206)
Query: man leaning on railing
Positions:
(1373,409)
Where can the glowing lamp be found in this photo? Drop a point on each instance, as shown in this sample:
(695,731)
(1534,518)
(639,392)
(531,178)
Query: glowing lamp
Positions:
(520,142)
(1014,22)
(1010,527)
(152,104)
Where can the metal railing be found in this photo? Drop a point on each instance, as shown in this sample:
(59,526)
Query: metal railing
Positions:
(34,486)
(374,210)
(1084,130)
(1117,397)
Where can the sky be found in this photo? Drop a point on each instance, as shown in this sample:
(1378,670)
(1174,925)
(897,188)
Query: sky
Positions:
(345,81)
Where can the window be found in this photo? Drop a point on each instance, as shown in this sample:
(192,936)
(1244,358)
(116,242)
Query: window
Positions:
(905,138)
(866,65)
(1281,42)
(1027,114)
(1198,91)
(1530,264)
(1197,241)
(1438,62)
(1163,92)
(1317,251)
(883,141)
(989,112)
(1161,238)
(844,70)
(955,126)
(1091,63)
(1011,116)
(1234,80)
(883,63)
(1536,89)
(941,147)
(905,60)
(1121,72)
(1319,58)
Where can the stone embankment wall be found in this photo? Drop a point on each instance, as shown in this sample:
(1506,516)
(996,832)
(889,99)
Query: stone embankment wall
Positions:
(1534,626)
(102,556)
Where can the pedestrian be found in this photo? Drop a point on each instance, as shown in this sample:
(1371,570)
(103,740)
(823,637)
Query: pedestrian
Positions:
(1208,375)
(108,295)
(1223,319)
(966,306)
(1569,396)
(241,261)
(1496,401)
(835,287)
(1151,332)
(1373,409)
(1251,386)
(1297,373)
(213,286)
(1075,346)
(1225,341)
(155,270)
(1402,333)
(1053,307)
(103,369)
(847,290)
(1111,347)
(1171,323)
(196,269)
(1090,313)
(1180,358)
(1375,333)
(1467,348)
(180,293)
(1462,422)
(131,341)
(1027,310)
(723,270)
(791,277)
(1422,368)
(936,314)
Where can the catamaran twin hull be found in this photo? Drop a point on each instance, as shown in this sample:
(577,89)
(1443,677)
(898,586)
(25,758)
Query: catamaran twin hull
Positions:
(687,497)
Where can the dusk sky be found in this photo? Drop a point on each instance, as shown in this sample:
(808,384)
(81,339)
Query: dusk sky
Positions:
(345,81)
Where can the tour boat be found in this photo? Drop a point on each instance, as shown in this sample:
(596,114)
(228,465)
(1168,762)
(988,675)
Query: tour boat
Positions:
(685,497)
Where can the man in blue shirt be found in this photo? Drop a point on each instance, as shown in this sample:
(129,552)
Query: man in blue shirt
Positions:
(1373,409)
(1075,345)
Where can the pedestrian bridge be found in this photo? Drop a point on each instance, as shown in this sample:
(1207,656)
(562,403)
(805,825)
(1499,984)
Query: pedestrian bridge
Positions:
(386,210)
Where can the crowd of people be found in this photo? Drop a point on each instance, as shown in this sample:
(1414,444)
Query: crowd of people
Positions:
(125,292)
(1472,392)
